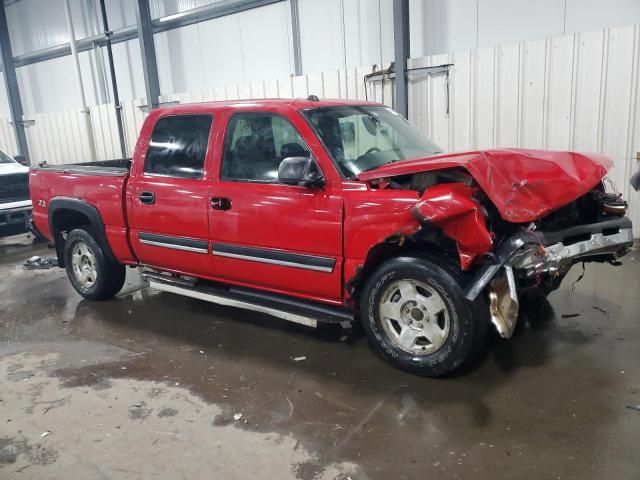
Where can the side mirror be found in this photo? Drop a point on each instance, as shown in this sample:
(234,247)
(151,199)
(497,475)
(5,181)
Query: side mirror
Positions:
(300,171)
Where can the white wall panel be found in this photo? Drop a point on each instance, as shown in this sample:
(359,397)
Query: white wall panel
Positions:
(222,62)
(7,137)
(386,33)
(339,33)
(179,59)
(590,15)
(4,100)
(49,86)
(588,76)
(120,13)
(559,112)
(439,26)
(507,90)
(506,21)
(39,24)
(533,91)
(617,99)
(266,44)
(128,66)
(244,47)
(362,33)
(442,26)
(321,35)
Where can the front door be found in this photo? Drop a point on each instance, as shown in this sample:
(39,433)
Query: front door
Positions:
(265,234)
(169,197)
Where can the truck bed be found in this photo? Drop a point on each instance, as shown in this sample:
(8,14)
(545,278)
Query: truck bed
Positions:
(99,185)
(115,167)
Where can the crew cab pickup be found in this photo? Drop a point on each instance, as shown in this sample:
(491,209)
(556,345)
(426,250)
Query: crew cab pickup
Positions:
(333,211)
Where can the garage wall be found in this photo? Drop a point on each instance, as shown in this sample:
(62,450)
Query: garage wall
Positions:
(245,47)
(446,26)
(256,45)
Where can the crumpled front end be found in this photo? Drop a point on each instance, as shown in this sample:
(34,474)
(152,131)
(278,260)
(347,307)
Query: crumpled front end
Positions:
(534,260)
(511,261)
(519,219)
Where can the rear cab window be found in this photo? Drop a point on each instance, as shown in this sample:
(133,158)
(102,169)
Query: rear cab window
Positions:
(178,146)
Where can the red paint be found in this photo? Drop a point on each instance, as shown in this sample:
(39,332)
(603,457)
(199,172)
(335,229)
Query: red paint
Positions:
(343,220)
(451,207)
(524,185)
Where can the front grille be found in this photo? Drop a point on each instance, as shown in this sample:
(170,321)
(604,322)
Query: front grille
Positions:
(594,206)
(14,187)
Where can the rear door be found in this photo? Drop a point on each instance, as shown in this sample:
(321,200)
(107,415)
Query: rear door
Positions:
(268,235)
(169,197)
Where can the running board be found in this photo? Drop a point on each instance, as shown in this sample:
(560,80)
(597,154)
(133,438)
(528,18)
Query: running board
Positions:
(285,308)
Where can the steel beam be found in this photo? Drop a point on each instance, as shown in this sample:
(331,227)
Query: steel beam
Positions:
(216,10)
(114,81)
(295,37)
(208,12)
(402,53)
(11,84)
(148,54)
(83,99)
(83,45)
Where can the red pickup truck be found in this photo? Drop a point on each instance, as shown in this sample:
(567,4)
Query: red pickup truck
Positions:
(333,211)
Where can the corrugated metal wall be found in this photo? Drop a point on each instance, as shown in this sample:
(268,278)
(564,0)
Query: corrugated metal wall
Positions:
(577,92)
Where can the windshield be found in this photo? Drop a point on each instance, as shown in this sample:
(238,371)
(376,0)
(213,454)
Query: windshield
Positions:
(362,138)
(4,158)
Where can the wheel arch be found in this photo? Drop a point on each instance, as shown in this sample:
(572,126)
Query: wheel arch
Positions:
(398,247)
(65,214)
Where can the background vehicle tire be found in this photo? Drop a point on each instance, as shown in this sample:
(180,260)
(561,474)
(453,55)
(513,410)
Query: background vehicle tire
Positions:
(90,272)
(436,331)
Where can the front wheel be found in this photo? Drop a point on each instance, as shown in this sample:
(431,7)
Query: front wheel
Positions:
(416,317)
(91,273)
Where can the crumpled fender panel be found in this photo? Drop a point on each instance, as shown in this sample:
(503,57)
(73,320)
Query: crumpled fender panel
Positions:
(451,207)
(524,185)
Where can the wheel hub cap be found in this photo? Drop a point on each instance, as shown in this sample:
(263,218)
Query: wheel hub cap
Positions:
(415,317)
(83,262)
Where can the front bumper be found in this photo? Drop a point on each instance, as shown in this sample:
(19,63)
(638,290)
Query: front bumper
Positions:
(529,253)
(602,241)
(13,221)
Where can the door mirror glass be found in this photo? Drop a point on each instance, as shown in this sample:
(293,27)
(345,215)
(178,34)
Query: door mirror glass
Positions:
(300,171)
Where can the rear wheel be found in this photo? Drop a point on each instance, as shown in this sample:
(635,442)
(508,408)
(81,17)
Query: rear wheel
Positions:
(416,317)
(91,273)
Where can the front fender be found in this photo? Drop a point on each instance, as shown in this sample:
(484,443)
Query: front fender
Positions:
(452,208)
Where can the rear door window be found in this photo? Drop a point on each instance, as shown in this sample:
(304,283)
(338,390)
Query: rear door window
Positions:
(178,146)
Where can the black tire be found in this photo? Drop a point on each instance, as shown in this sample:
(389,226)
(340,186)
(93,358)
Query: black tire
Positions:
(109,276)
(467,321)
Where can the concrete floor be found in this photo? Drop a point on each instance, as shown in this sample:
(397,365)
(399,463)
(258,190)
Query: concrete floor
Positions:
(147,386)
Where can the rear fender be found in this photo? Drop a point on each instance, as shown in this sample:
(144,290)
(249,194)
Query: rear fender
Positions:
(59,205)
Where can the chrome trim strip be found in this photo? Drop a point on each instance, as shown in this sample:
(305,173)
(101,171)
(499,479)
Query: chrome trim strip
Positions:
(273,262)
(174,246)
(209,297)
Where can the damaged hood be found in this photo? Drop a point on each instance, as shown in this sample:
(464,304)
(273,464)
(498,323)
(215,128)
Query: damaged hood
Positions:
(524,185)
